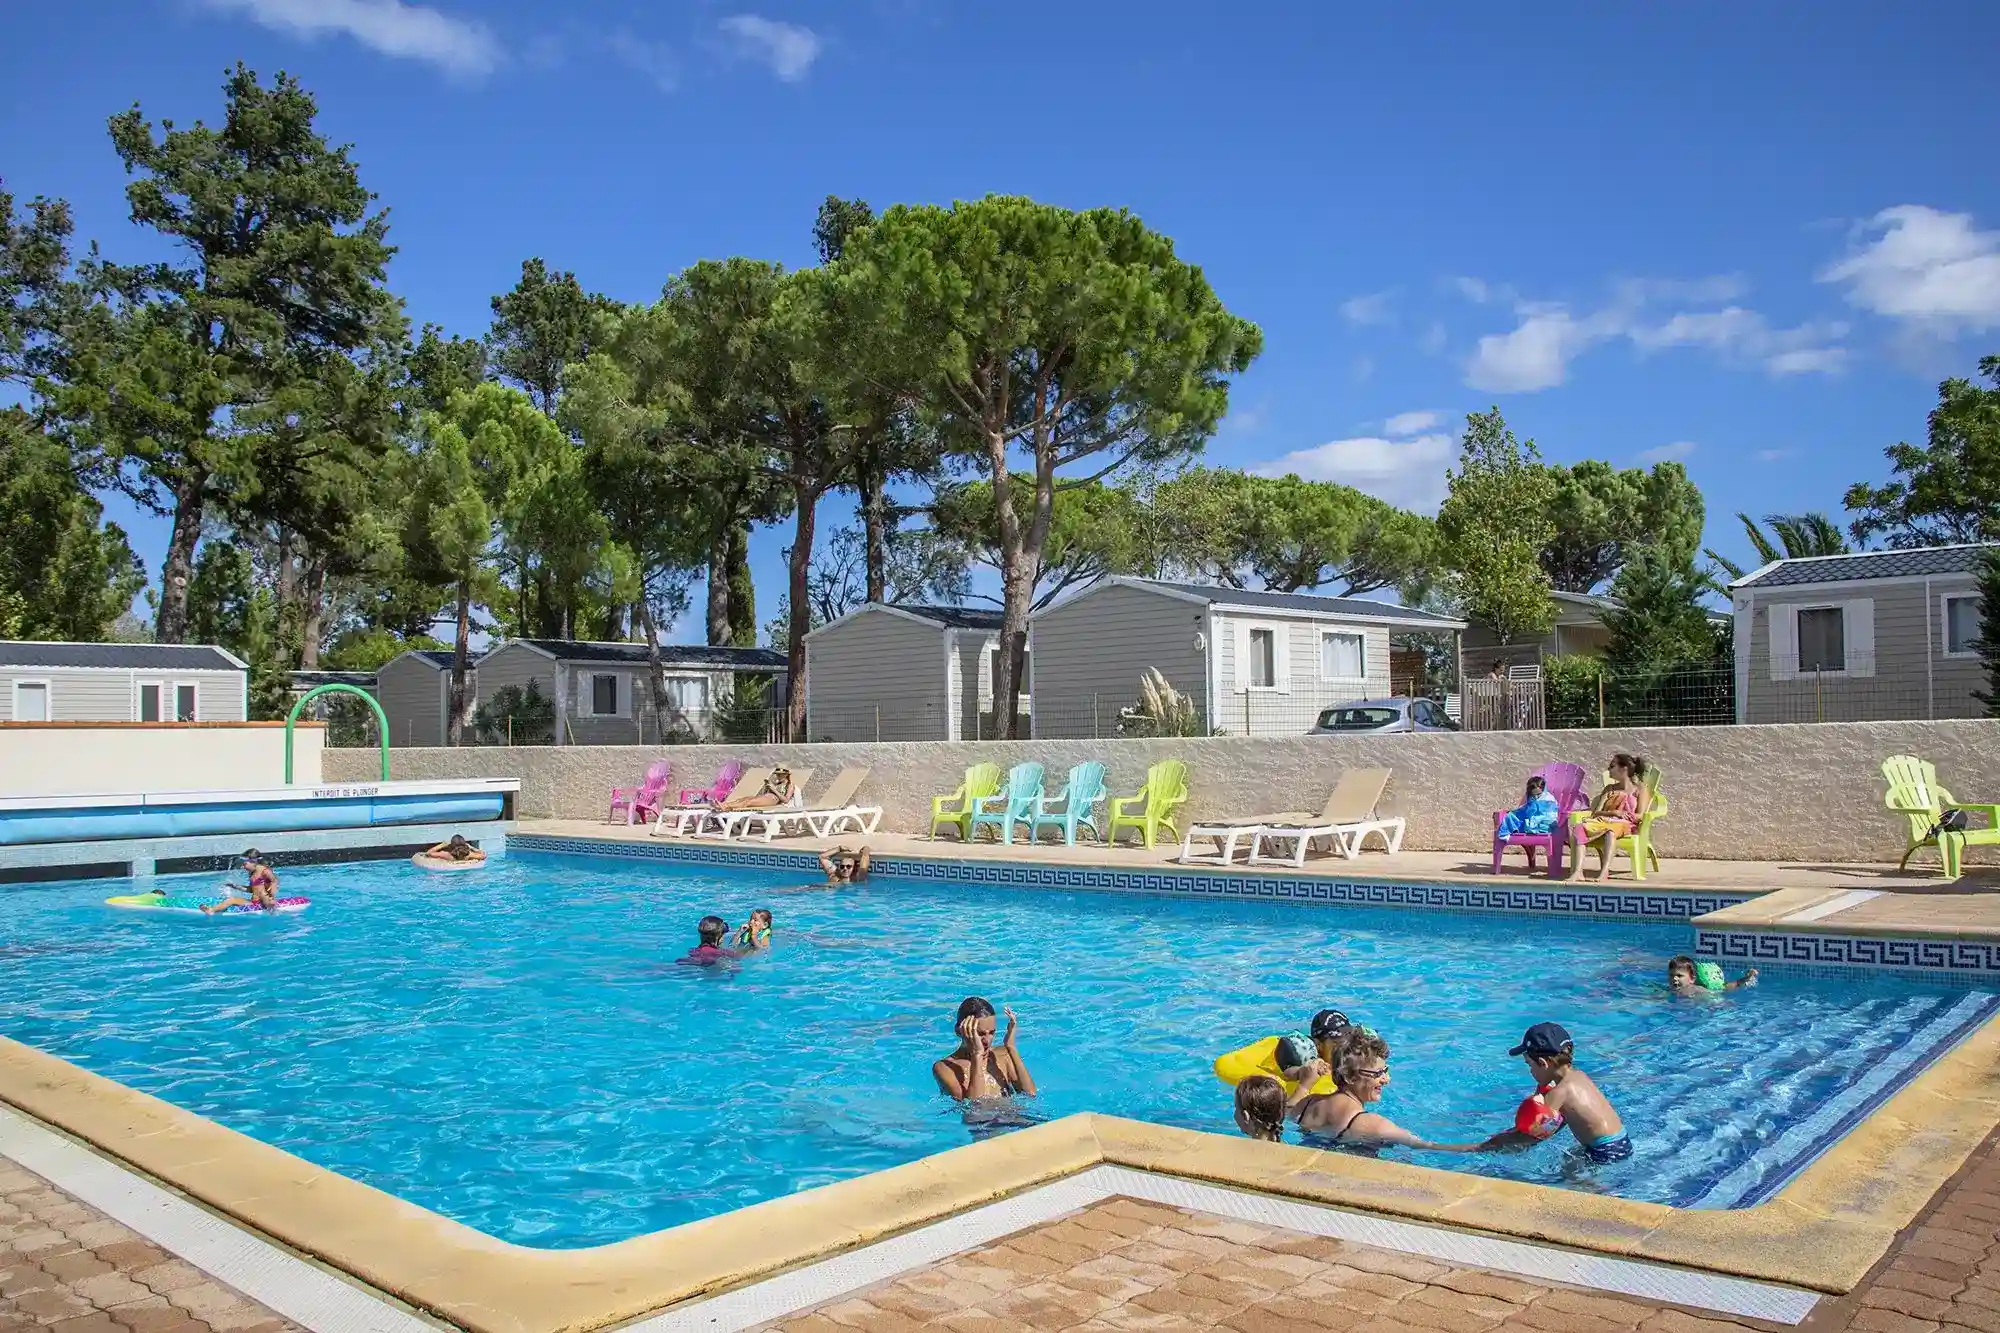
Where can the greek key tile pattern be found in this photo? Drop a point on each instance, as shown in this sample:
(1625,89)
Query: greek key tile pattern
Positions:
(1957,958)
(1622,903)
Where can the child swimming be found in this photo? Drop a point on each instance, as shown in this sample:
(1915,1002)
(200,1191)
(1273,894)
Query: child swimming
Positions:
(710,930)
(1687,977)
(1260,1108)
(756,932)
(1564,1096)
(262,888)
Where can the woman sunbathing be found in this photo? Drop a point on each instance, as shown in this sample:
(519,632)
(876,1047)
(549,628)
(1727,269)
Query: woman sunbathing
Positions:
(776,791)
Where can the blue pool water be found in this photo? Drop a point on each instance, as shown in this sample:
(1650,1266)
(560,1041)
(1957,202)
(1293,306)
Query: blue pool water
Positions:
(514,1048)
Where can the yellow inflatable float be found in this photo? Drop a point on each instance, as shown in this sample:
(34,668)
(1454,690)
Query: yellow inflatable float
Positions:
(1261,1057)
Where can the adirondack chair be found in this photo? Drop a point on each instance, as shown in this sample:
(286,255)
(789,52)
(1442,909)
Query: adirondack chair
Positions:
(1915,794)
(1013,804)
(1150,810)
(1638,844)
(1565,786)
(715,793)
(1075,804)
(955,807)
(638,802)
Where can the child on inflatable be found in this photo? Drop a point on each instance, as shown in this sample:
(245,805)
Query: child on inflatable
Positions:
(756,932)
(1564,1096)
(458,849)
(262,888)
(710,930)
(1687,977)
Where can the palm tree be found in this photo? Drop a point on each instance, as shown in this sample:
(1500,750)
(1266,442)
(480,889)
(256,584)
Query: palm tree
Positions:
(1797,536)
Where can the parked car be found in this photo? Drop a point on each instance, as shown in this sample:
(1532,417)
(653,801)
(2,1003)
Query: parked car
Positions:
(1400,714)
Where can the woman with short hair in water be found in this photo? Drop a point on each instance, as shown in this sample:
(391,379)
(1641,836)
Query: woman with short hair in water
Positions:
(1343,1119)
(978,1070)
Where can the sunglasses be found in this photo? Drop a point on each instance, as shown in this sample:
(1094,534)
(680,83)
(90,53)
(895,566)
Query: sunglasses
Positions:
(1383,1072)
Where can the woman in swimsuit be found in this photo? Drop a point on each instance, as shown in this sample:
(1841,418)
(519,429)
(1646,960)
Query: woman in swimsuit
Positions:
(1343,1119)
(978,1070)
(1613,815)
(777,790)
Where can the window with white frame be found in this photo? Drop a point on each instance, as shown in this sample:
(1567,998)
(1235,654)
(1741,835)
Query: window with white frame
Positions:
(604,696)
(31,701)
(687,694)
(1822,639)
(1263,659)
(168,701)
(1961,624)
(1342,655)
(184,703)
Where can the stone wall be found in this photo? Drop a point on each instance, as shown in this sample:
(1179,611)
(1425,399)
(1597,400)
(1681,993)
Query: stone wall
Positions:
(1809,793)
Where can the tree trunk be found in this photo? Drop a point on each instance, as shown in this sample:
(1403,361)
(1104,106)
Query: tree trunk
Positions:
(742,591)
(718,588)
(656,671)
(459,710)
(170,626)
(1020,568)
(312,613)
(868,481)
(799,622)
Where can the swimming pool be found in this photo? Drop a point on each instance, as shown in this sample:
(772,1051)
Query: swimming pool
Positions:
(515,1049)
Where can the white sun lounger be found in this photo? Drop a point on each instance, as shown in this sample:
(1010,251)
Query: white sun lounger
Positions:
(725,823)
(1232,835)
(677,821)
(834,807)
(1346,822)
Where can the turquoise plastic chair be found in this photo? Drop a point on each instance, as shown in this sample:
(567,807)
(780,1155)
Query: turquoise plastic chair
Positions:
(1013,804)
(1083,791)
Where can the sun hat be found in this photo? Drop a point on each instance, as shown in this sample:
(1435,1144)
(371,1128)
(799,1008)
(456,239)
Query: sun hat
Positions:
(1544,1039)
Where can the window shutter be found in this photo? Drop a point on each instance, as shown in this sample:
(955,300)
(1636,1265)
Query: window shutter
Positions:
(1784,627)
(1281,653)
(1857,624)
(1241,683)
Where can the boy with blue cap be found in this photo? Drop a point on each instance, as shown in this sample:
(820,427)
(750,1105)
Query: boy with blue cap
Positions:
(1564,1096)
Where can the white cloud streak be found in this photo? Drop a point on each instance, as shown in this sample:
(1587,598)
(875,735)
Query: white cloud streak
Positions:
(1932,270)
(1373,308)
(462,47)
(655,60)
(788,49)
(1409,473)
(1668,453)
(1411,423)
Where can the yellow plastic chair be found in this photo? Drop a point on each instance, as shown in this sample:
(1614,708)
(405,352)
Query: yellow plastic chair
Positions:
(1915,794)
(1166,788)
(1638,844)
(957,807)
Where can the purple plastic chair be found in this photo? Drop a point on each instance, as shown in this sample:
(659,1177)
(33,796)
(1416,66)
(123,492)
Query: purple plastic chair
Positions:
(637,802)
(1565,787)
(716,792)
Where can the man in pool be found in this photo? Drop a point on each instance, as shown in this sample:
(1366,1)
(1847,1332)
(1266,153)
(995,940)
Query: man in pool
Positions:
(262,888)
(978,1070)
(844,867)
(1564,1096)
(710,930)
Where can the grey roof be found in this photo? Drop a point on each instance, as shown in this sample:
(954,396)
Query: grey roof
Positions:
(440,657)
(672,654)
(305,680)
(118,656)
(1358,607)
(1914,563)
(952,617)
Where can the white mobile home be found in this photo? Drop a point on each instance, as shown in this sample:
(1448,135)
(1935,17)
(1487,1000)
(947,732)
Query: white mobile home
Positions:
(121,682)
(602,696)
(414,689)
(1255,663)
(897,671)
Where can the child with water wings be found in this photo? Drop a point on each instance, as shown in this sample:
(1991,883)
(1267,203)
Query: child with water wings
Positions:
(1687,977)
(1564,1097)
(756,932)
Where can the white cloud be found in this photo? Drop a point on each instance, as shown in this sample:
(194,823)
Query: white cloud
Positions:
(1246,420)
(1409,473)
(1434,338)
(786,47)
(1476,290)
(1536,355)
(413,32)
(1926,267)
(1411,423)
(1370,309)
(1363,369)
(1774,455)
(655,60)
(1668,453)
(1808,361)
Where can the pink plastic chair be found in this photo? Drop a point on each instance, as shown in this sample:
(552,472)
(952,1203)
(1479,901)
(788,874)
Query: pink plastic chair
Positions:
(1565,787)
(716,792)
(640,801)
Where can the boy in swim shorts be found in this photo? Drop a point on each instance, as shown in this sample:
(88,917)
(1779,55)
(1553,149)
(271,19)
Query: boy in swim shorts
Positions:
(1564,1096)
(1687,977)
(710,930)
(262,888)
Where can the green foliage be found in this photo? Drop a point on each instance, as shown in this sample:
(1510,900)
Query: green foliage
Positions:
(742,716)
(369,648)
(64,572)
(1601,514)
(1091,533)
(1988,642)
(1290,535)
(1948,489)
(1493,527)
(526,716)
(1660,619)
(34,263)
(439,366)
(1793,536)
(543,324)
(1570,690)
(838,219)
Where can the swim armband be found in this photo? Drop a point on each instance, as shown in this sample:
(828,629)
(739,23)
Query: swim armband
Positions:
(1535,1119)
(1709,976)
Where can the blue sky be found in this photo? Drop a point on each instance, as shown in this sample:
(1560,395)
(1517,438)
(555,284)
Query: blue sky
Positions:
(1748,237)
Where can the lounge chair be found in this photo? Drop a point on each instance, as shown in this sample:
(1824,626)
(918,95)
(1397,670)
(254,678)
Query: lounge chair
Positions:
(1346,822)
(716,792)
(1564,783)
(955,807)
(1153,805)
(1014,804)
(680,820)
(724,823)
(821,817)
(1076,804)
(637,802)
(1233,835)
(1638,844)
(1914,792)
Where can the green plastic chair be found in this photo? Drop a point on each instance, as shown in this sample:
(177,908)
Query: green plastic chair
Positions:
(1638,844)
(1076,804)
(957,807)
(1915,794)
(1015,805)
(1166,787)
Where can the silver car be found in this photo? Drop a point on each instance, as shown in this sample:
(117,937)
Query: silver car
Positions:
(1400,714)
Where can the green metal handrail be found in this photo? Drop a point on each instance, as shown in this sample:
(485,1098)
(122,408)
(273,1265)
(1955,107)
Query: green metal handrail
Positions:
(381,719)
